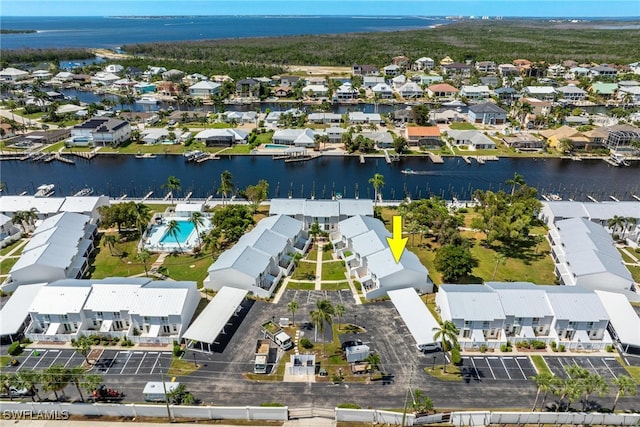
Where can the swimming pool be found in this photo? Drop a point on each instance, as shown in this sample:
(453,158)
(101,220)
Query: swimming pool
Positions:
(183,233)
(276,146)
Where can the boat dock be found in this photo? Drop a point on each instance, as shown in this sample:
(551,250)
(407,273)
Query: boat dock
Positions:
(592,199)
(206,157)
(147,195)
(436,159)
(361,158)
(466,159)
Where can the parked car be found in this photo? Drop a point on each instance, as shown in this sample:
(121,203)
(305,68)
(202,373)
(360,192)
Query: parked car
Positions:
(14,392)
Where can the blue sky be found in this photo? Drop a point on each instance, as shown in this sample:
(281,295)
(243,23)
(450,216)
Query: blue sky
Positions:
(539,8)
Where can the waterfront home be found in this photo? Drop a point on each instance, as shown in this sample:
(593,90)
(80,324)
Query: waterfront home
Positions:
(104,79)
(124,85)
(204,89)
(173,75)
(507,94)
(554,136)
(114,68)
(240,116)
(153,71)
(605,90)
(382,139)
(248,88)
(571,93)
(370,81)
(334,134)
(289,227)
(194,78)
(410,90)
(41,74)
(143,87)
(603,71)
(427,79)
(382,91)
(538,107)
(576,121)
(523,142)
(398,81)
(168,88)
(58,249)
(424,63)
(442,91)
(485,66)
(152,136)
(315,91)
(629,95)
(49,206)
(456,69)
(470,139)
(327,213)
(9,232)
(545,93)
(392,70)
(62,77)
(222,137)
(296,137)
(475,92)
(346,92)
(404,115)
(289,81)
(100,131)
(12,75)
(423,136)
(358,117)
(282,91)
(364,70)
(487,113)
(620,138)
(508,70)
(316,80)
(585,255)
(324,118)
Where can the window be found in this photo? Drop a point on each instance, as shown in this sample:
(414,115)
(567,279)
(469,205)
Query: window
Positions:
(467,323)
(116,315)
(517,321)
(589,325)
(485,325)
(535,320)
(164,320)
(100,314)
(47,318)
(147,319)
(64,317)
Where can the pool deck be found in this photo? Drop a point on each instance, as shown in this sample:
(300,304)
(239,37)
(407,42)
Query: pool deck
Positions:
(153,241)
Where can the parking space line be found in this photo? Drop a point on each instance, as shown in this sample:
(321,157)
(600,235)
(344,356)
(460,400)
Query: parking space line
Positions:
(126,361)
(505,366)
(69,359)
(115,356)
(474,368)
(58,355)
(520,367)
(22,363)
(140,364)
(42,356)
(489,366)
(604,362)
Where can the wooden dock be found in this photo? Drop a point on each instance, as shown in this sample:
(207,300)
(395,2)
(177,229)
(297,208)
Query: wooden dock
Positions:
(466,159)
(592,199)
(362,158)
(436,159)
(147,195)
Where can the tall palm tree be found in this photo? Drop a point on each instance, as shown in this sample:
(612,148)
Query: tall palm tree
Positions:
(543,381)
(110,241)
(28,380)
(55,378)
(91,382)
(323,314)
(447,334)
(197,219)
(18,219)
(142,215)
(378,183)
(616,223)
(500,259)
(516,181)
(373,359)
(76,377)
(173,228)
(625,385)
(293,307)
(172,184)
(226,184)
(340,310)
(143,256)
(629,223)
(593,383)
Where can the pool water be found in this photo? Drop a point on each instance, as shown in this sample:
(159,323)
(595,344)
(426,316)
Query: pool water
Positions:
(278,146)
(186,228)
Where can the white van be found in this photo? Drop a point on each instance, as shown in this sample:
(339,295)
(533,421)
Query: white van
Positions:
(430,347)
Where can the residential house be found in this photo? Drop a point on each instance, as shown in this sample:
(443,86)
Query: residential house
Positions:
(507,94)
(556,71)
(382,91)
(571,93)
(538,107)
(315,91)
(358,117)
(576,121)
(576,73)
(404,115)
(295,137)
(114,68)
(523,142)
(335,134)
(289,81)
(620,138)
(456,69)
(102,78)
(282,91)
(487,113)
(475,92)
(172,75)
(401,61)
(168,88)
(545,93)
(204,89)
(585,255)
(327,213)
(554,136)
(398,81)
(346,92)
(485,66)
(240,117)
(216,137)
(523,65)
(446,60)
(370,81)
(423,63)
(491,81)
(423,136)
(324,118)
(153,71)
(428,80)
(85,205)
(392,70)
(471,140)
(629,95)
(442,91)
(62,77)
(41,74)
(605,90)
(508,70)
(410,90)
(248,88)
(365,70)
(194,78)
(603,71)
(142,88)
(100,131)
(12,75)
(152,136)
(9,232)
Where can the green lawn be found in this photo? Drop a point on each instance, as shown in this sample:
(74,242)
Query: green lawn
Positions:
(327,255)
(312,255)
(188,267)
(540,364)
(632,371)
(4,251)
(335,286)
(264,138)
(123,262)
(304,271)
(452,374)
(180,367)
(462,126)
(301,286)
(22,113)
(6,264)
(238,149)
(626,257)
(54,147)
(635,272)
(333,270)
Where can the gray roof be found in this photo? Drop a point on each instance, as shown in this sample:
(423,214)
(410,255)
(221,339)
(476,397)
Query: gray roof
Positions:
(370,242)
(351,207)
(473,302)
(575,304)
(566,209)
(383,264)
(522,299)
(623,317)
(415,314)
(286,207)
(281,224)
(359,224)
(321,208)
(16,310)
(487,107)
(244,259)
(265,240)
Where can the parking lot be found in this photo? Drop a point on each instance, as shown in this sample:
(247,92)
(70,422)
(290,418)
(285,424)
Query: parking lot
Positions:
(504,368)
(111,362)
(607,367)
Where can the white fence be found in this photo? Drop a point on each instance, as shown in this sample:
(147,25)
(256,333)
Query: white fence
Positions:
(373,416)
(147,410)
(557,418)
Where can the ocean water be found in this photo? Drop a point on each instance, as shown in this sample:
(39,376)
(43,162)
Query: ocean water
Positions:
(111,32)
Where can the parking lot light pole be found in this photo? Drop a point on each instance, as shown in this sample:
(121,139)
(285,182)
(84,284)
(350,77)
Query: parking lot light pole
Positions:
(164,387)
(195,362)
(433,367)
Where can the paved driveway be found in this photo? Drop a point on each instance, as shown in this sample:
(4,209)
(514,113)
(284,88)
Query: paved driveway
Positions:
(504,368)
(607,367)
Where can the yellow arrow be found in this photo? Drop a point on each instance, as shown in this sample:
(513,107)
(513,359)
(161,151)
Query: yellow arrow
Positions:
(397,242)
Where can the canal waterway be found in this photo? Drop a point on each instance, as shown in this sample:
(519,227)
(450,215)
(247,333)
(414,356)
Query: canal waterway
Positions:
(117,175)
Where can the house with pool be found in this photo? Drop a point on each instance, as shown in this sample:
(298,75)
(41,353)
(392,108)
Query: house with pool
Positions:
(185,237)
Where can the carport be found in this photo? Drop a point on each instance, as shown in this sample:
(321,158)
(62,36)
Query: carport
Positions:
(211,322)
(14,316)
(416,316)
(624,323)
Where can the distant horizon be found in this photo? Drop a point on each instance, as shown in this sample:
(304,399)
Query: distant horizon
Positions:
(451,16)
(565,9)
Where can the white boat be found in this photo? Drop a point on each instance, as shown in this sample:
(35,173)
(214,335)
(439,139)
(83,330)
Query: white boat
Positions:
(148,99)
(145,156)
(45,190)
(617,160)
(84,192)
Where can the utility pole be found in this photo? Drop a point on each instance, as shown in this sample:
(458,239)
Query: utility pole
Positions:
(164,387)
(406,399)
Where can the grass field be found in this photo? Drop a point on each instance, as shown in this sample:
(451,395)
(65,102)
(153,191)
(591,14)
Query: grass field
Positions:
(4,251)
(453,373)
(304,271)
(462,126)
(123,262)
(301,286)
(333,270)
(540,364)
(188,267)
(6,264)
(335,286)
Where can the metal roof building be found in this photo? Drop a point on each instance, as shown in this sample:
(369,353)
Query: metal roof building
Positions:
(416,316)
(14,314)
(624,323)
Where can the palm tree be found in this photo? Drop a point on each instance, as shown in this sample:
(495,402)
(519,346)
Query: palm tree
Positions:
(143,256)
(172,184)
(500,259)
(615,223)
(373,359)
(142,214)
(447,333)
(76,377)
(593,383)
(516,181)
(82,345)
(544,382)
(28,380)
(293,307)
(226,184)
(629,223)
(18,219)
(110,241)
(197,219)
(91,382)
(625,385)
(5,384)
(55,378)
(378,182)
(323,314)
(340,310)
(173,228)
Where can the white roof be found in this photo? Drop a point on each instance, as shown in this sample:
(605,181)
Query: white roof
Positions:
(281,224)
(156,387)
(4,219)
(383,264)
(370,242)
(544,90)
(208,325)
(16,310)
(359,224)
(415,315)
(473,302)
(286,206)
(189,207)
(238,135)
(60,299)
(12,72)
(244,259)
(162,298)
(522,299)
(60,235)
(265,240)
(351,207)
(44,205)
(321,208)
(623,317)
(205,84)
(63,220)
(51,255)
(575,304)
